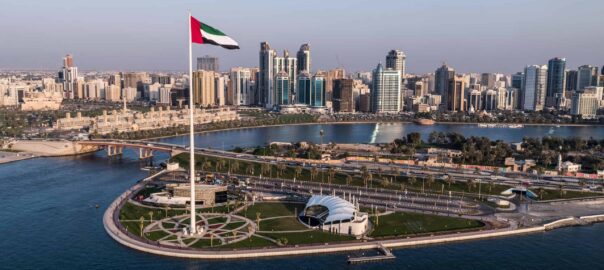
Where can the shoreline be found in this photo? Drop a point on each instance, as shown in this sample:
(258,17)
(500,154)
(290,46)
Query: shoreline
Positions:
(114,232)
(10,157)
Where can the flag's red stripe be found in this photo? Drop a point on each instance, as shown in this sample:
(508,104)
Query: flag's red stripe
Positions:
(196,31)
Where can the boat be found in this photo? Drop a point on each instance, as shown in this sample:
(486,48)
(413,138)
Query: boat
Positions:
(424,122)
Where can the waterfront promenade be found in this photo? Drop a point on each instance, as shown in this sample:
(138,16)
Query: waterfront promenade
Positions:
(111,225)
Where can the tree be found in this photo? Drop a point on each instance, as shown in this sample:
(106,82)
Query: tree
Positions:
(141,225)
(151,215)
(470,184)
(249,168)
(298,171)
(541,191)
(234,166)
(331,173)
(348,179)
(449,180)
(314,172)
(220,165)
(281,167)
(412,180)
(266,168)
(430,180)
(582,184)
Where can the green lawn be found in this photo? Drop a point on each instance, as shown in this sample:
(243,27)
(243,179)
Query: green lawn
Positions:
(550,194)
(272,210)
(215,220)
(281,224)
(156,235)
(252,242)
(400,224)
(132,211)
(233,225)
(134,226)
(311,237)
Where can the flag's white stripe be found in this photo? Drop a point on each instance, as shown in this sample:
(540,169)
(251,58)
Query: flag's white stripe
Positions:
(222,40)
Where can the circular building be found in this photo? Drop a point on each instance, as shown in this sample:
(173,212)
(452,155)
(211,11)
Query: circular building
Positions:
(334,214)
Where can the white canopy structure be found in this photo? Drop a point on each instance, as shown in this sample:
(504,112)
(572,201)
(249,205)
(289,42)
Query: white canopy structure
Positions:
(338,208)
(334,214)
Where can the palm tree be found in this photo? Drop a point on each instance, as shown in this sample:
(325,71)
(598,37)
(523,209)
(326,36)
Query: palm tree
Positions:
(234,166)
(365,176)
(249,168)
(314,172)
(281,167)
(430,180)
(541,191)
(582,184)
(412,180)
(470,184)
(449,180)
(220,165)
(298,171)
(266,168)
(141,225)
(151,215)
(348,179)
(331,173)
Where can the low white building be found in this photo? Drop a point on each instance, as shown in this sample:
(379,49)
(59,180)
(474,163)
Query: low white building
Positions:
(334,214)
(568,166)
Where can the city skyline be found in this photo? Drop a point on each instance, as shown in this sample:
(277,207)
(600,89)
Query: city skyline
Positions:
(503,42)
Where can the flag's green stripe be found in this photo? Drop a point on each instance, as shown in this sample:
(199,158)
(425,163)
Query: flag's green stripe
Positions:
(211,30)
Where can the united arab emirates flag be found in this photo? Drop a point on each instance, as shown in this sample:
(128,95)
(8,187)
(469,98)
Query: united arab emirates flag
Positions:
(204,34)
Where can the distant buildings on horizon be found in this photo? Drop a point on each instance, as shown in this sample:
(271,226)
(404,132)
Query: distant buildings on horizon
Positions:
(288,81)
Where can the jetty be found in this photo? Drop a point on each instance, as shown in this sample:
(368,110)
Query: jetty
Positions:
(385,254)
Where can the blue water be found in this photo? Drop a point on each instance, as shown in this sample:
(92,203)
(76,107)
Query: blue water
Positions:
(375,133)
(48,220)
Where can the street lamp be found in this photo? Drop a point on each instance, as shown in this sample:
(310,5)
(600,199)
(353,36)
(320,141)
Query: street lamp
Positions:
(321,132)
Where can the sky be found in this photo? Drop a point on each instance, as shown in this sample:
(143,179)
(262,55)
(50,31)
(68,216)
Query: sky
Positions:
(471,36)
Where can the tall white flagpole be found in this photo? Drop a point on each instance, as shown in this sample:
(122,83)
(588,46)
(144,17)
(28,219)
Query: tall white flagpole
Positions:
(193,226)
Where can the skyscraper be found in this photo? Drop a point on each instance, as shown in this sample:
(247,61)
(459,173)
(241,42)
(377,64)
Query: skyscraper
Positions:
(303,56)
(266,76)
(334,74)
(204,88)
(282,91)
(534,88)
(455,98)
(488,80)
(290,67)
(68,76)
(556,68)
(396,60)
(441,80)
(587,76)
(208,63)
(304,88)
(386,90)
(517,80)
(343,98)
(240,87)
(571,80)
(317,94)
